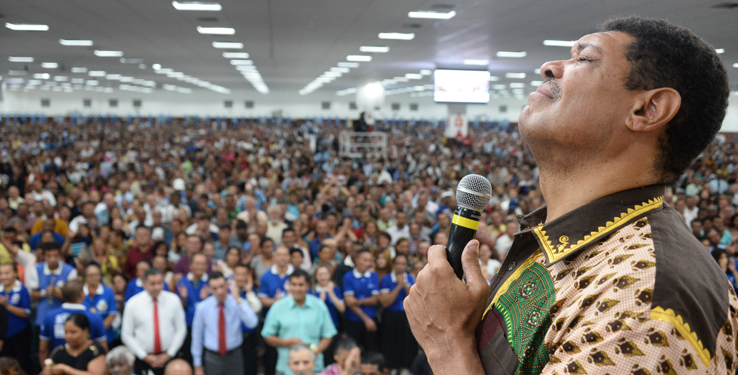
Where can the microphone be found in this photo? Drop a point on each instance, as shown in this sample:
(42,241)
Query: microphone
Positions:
(472,196)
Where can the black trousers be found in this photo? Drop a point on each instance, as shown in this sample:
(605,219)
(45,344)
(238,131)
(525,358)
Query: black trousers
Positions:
(186,351)
(19,347)
(142,368)
(368,341)
(248,348)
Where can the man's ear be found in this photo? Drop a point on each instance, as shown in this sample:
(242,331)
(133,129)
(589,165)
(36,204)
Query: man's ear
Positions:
(654,109)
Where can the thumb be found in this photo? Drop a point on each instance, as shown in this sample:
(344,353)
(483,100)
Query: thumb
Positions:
(470,263)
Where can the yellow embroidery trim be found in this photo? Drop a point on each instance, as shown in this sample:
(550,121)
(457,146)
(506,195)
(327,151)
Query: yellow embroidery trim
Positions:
(516,275)
(669,316)
(555,253)
(466,223)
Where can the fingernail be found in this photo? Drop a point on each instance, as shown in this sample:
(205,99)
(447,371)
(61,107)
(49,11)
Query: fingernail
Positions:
(475,248)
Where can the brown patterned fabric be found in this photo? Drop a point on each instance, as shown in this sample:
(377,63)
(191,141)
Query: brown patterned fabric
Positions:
(639,295)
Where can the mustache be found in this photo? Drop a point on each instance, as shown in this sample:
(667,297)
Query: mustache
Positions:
(555,88)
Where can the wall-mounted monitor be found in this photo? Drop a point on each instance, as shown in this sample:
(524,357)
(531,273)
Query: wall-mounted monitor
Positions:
(461,86)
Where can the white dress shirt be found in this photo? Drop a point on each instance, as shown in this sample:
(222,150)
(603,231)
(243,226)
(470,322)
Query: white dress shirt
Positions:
(137,332)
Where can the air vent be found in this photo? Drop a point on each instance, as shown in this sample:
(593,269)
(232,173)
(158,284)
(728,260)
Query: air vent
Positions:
(503,109)
(136,103)
(395,106)
(87,103)
(113,103)
(352,106)
(228,103)
(325,105)
(413,106)
(249,104)
(411,26)
(207,19)
(45,103)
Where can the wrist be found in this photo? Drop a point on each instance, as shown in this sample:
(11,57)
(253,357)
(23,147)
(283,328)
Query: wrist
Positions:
(463,349)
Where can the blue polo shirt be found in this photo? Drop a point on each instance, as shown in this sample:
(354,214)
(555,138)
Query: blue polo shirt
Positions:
(310,323)
(389,282)
(53,324)
(193,294)
(135,286)
(58,278)
(361,287)
(102,303)
(329,303)
(315,245)
(18,296)
(272,283)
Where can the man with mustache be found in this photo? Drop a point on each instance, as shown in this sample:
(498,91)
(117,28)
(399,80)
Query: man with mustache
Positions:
(605,278)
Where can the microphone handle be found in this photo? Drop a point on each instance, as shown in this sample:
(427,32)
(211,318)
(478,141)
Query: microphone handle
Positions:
(464,227)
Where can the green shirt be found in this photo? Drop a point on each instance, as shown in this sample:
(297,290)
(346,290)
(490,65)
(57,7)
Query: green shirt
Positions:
(310,323)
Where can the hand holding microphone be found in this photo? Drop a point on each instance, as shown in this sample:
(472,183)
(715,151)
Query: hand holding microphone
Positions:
(472,196)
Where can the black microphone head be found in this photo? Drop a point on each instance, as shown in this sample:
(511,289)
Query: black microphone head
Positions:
(474,192)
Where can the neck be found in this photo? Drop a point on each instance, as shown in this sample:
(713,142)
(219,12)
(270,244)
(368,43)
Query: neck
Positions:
(282,269)
(300,302)
(92,287)
(9,286)
(566,190)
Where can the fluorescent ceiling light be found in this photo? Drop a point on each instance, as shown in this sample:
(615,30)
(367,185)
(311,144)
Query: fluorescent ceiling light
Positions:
(228,45)
(216,30)
(41,76)
(243,68)
(235,55)
(537,71)
(432,15)
(26,27)
(397,36)
(61,78)
(130,61)
(340,70)
(75,43)
(100,53)
(413,76)
(720,50)
(195,5)
(358,58)
(49,65)
(114,77)
(242,62)
(79,69)
(348,64)
(78,80)
(426,72)
(515,55)
(156,66)
(175,74)
(517,85)
(164,71)
(515,75)
(20,59)
(559,43)
(374,49)
(126,79)
(332,74)
(96,73)
(499,87)
(494,78)
(17,72)
(475,62)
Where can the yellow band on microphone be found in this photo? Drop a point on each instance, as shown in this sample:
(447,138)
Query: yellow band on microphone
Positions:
(466,223)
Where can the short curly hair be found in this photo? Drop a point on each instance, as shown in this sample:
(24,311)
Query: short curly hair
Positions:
(667,55)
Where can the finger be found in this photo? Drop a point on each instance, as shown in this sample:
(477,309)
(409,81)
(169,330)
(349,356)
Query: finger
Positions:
(470,263)
(437,255)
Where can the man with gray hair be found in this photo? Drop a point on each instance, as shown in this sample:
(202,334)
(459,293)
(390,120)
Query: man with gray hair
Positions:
(120,361)
(301,360)
(275,224)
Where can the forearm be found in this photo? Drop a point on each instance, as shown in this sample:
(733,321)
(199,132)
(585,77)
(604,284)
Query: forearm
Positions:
(267,302)
(323,344)
(276,342)
(17,311)
(340,305)
(371,301)
(108,320)
(358,311)
(36,295)
(460,357)
(43,351)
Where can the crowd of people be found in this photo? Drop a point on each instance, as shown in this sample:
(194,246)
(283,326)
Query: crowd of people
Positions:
(243,248)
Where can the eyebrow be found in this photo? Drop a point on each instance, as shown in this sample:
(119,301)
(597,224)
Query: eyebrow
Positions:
(584,45)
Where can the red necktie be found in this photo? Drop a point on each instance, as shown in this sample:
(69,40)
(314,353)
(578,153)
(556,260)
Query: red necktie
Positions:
(157,339)
(221,332)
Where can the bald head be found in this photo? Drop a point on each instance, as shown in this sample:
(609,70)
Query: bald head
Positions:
(178,367)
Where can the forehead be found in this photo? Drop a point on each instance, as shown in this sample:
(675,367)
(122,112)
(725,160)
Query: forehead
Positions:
(609,42)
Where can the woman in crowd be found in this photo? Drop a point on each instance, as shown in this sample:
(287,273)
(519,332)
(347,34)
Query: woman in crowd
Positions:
(80,356)
(15,298)
(108,262)
(398,343)
(232,258)
(727,265)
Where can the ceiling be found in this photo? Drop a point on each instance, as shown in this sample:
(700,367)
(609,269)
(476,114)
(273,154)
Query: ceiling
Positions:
(293,42)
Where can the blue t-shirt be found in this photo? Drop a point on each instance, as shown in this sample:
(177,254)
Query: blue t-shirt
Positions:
(389,282)
(53,324)
(329,303)
(135,286)
(361,287)
(103,304)
(272,283)
(18,297)
(315,245)
(46,277)
(193,294)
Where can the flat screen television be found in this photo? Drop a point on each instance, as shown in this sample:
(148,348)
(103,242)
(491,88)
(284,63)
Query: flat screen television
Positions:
(461,86)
